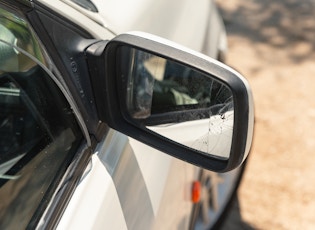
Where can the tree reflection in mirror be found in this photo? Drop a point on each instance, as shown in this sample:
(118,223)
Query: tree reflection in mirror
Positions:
(178,102)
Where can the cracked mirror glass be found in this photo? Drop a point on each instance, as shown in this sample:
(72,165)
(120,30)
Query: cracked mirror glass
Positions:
(178,102)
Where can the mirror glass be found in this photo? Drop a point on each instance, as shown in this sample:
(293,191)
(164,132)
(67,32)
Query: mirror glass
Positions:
(177,101)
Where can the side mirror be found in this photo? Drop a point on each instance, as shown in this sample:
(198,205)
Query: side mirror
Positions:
(178,101)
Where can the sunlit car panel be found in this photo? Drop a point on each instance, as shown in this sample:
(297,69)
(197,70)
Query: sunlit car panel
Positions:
(106,179)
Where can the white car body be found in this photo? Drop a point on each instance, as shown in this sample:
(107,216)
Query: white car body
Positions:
(127,184)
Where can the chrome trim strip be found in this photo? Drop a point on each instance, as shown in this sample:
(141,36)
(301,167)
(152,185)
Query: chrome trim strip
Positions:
(120,161)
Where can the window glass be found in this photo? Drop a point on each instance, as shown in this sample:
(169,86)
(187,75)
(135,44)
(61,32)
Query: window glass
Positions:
(38,131)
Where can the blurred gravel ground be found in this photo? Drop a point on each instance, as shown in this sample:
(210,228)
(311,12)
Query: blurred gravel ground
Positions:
(272,43)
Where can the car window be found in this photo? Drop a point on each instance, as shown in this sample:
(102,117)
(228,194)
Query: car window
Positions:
(39,134)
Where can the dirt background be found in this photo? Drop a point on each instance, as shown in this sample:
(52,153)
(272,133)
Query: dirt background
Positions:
(272,43)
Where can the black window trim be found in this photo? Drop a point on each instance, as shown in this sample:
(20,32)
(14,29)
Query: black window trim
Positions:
(93,127)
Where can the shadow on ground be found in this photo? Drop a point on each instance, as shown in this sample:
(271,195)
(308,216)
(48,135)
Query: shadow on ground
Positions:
(280,24)
(234,219)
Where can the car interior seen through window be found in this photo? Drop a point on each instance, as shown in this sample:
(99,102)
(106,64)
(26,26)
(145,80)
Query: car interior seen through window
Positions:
(38,132)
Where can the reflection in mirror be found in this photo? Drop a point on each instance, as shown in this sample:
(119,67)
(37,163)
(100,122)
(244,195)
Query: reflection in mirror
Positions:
(178,102)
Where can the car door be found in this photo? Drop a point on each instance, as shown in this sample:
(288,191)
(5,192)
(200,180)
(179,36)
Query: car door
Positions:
(47,137)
